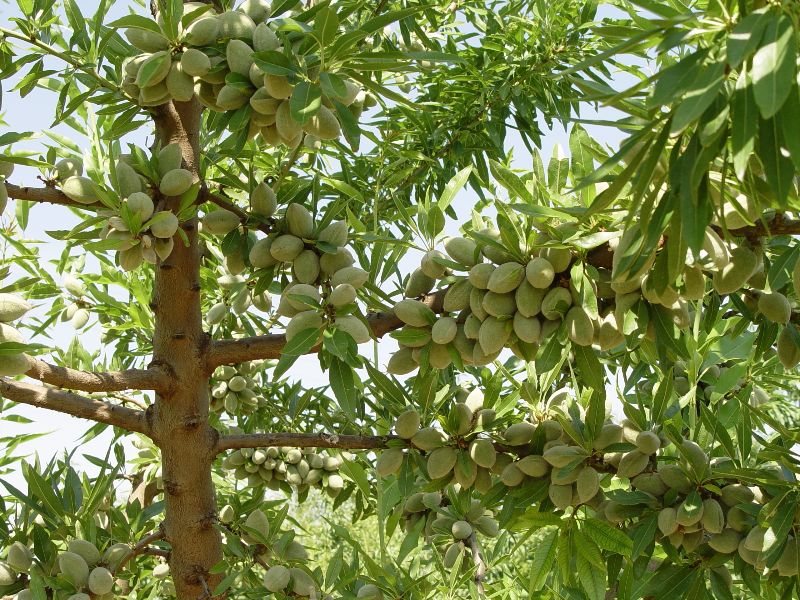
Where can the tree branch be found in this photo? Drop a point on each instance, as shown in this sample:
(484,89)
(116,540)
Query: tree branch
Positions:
(48,195)
(77,406)
(90,381)
(304,440)
(142,547)
(477,558)
(225,352)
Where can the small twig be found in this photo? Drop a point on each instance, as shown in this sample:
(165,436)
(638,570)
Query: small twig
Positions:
(130,400)
(287,166)
(480,565)
(142,547)
(206,590)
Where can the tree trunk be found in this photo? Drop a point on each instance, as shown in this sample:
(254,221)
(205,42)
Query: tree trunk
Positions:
(180,418)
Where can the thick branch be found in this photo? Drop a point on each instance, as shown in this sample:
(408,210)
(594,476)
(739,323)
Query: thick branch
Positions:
(304,440)
(47,195)
(89,381)
(226,352)
(77,406)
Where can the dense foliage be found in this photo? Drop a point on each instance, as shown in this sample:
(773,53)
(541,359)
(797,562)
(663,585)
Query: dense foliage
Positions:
(589,388)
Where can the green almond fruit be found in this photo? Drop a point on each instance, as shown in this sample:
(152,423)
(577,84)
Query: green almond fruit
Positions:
(788,350)
(414,312)
(632,463)
(439,356)
(169,158)
(650,483)
(7,575)
(303,296)
(787,563)
(15,364)
(528,299)
(68,167)
(19,557)
(342,295)
(725,542)
(203,31)
(12,307)
(580,328)
(690,511)
(499,305)
(263,200)
(354,327)
(457,296)
(775,307)
(355,276)
(487,526)
(461,530)
(563,456)
(154,69)
(559,258)
(232,98)
(441,461)
(428,439)
(335,233)
(713,519)
(482,452)
(506,278)
(540,273)
(733,276)
(323,124)
(260,254)
(444,330)
(287,247)
(176,182)
(418,284)
(480,274)
(695,457)
(309,319)
(460,418)
(519,434)
(668,521)
(264,39)
(299,221)
(195,63)
(302,583)
(101,581)
(277,578)
(476,297)
(647,442)
(736,493)
(610,433)
(674,477)
(164,224)
(74,568)
(369,591)
(179,83)
(430,267)
(87,550)
(407,424)
(587,484)
(402,362)
(220,222)
(80,189)
(493,335)
(128,180)
(463,251)
(560,495)
(239,56)
(533,465)
(235,24)
(278,86)
(258,522)
(306,267)
(527,329)
(556,303)
(263,103)
(390,461)
(146,40)
(452,554)
(694,283)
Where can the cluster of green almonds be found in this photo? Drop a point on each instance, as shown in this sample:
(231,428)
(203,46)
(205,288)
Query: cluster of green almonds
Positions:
(324,281)
(446,526)
(278,549)
(234,390)
(503,303)
(75,312)
(456,455)
(12,307)
(701,510)
(218,58)
(82,566)
(6,169)
(287,469)
(138,231)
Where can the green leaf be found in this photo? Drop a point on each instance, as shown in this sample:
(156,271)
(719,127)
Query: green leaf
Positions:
(300,344)
(273,63)
(789,117)
(326,25)
(509,180)
(744,124)
(305,101)
(745,37)
(778,168)
(591,567)
(607,537)
(671,581)
(342,381)
(698,96)
(773,71)
(136,22)
(542,563)
(453,187)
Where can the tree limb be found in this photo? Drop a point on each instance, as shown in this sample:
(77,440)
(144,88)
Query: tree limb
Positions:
(304,440)
(142,547)
(91,381)
(226,352)
(48,195)
(477,558)
(77,406)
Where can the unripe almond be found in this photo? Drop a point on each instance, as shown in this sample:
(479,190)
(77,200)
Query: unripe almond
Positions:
(775,307)
(506,278)
(540,273)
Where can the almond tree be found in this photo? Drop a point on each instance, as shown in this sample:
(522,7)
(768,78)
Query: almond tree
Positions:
(244,184)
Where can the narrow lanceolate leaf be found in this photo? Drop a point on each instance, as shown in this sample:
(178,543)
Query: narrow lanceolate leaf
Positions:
(777,166)
(774,65)
(591,567)
(607,537)
(510,181)
(543,559)
(453,187)
(342,382)
(744,125)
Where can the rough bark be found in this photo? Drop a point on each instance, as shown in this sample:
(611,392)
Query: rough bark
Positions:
(180,417)
(98,381)
(75,405)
